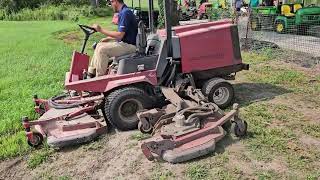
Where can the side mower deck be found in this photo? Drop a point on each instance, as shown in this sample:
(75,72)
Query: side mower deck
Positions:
(66,126)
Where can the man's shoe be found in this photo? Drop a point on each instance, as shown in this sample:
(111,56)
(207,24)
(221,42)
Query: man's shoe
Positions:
(87,75)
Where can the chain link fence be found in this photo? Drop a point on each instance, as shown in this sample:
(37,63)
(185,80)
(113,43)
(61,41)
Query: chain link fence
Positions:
(293,27)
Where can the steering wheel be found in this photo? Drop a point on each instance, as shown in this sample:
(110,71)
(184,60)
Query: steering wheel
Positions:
(87,29)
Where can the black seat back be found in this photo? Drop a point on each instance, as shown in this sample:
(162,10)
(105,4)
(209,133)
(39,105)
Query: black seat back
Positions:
(131,65)
(141,38)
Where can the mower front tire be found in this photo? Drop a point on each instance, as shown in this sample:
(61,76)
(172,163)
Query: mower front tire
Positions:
(122,105)
(219,91)
(36,141)
(239,128)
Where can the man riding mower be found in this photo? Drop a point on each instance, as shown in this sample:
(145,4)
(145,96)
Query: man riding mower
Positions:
(169,85)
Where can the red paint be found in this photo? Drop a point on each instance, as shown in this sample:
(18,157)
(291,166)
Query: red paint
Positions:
(79,63)
(180,29)
(206,48)
(108,82)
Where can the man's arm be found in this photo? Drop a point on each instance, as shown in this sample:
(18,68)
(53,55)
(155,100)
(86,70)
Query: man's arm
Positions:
(114,34)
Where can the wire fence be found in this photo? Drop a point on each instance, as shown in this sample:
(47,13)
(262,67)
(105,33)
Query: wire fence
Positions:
(297,29)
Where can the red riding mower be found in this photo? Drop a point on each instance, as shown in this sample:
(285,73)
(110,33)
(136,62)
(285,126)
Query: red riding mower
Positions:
(173,86)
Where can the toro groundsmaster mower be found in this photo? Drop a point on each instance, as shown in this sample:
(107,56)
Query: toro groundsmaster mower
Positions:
(173,87)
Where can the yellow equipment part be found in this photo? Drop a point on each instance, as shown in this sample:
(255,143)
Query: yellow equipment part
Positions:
(285,10)
(296,7)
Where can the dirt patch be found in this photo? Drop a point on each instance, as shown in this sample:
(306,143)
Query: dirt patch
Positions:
(116,155)
(310,141)
(241,158)
(290,56)
(250,44)
(300,58)
(70,37)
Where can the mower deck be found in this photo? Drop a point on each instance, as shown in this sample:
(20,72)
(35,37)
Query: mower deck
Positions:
(80,129)
(63,125)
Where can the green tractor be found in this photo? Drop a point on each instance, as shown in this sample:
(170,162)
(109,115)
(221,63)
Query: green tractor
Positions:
(283,16)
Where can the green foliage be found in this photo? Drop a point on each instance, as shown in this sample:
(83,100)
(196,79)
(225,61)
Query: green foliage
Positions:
(161,14)
(14,6)
(219,13)
(33,61)
(197,172)
(174,14)
(39,157)
(140,136)
(11,146)
(61,12)
(312,129)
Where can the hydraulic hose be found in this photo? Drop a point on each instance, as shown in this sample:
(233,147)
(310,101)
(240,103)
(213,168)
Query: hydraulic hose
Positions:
(56,105)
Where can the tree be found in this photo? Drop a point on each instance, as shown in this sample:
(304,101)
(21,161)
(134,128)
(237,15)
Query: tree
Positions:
(174,12)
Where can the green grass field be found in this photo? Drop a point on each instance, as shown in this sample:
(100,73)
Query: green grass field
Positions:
(279,101)
(33,61)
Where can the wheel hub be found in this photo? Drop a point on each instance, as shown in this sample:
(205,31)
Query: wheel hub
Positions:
(129,108)
(221,95)
(280,27)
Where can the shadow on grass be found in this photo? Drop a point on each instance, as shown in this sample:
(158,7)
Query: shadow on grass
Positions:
(248,93)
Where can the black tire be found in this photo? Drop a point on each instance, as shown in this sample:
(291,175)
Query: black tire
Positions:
(227,126)
(279,30)
(213,86)
(255,24)
(200,16)
(145,130)
(237,131)
(37,140)
(122,104)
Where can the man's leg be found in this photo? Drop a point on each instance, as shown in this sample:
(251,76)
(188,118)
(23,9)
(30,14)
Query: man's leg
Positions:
(103,52)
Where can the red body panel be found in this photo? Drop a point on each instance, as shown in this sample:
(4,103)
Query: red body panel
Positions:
(108,82)
(214,48)
(79,63)
(104,83)
(180,29)
(203,7)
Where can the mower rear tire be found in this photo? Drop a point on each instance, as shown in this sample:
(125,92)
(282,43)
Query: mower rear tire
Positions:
(122,105)
(219,91)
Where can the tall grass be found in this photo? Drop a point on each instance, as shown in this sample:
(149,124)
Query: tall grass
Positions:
(33,60)
(62,12)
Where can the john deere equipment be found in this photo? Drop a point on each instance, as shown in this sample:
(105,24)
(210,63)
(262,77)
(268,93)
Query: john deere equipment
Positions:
(283,16)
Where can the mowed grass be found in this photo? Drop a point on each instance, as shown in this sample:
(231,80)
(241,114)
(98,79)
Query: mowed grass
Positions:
(34,59)
(283,135)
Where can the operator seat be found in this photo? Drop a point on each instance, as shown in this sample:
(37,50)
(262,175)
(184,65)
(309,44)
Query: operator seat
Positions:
(146,56)
(140,41)
(286,11)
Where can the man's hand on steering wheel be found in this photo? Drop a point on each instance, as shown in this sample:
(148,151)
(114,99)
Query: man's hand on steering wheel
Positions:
(97,27)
